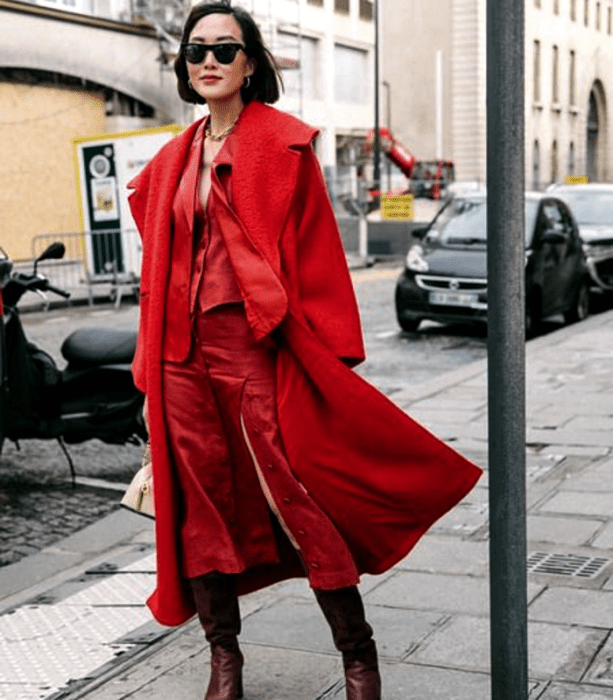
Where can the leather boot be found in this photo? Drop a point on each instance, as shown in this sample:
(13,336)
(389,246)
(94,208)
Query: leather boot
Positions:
(217,607)
(344,611)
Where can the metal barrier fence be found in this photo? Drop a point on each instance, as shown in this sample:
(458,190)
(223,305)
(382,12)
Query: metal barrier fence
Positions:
(105,262)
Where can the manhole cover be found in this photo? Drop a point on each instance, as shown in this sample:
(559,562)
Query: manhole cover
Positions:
(566,564)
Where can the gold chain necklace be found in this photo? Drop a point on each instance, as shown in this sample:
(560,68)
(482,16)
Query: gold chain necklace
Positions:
(222,134)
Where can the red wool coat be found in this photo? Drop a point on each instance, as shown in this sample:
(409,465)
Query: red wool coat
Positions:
(381,477)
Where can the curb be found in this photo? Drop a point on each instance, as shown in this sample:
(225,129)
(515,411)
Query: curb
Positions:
(68,558)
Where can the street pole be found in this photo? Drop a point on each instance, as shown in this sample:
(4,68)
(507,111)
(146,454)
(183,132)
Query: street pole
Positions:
(506,349)
(377,136)
(388,123)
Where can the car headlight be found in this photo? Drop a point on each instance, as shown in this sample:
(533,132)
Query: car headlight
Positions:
(416,260)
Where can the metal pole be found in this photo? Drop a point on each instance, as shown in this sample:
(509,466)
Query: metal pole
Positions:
(388,123)
(506,348)
(439,104)
(377,136)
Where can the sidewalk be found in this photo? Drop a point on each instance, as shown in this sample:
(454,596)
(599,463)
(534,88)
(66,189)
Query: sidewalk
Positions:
(78,613)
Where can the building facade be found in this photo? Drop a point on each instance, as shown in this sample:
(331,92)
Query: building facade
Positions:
(568,51)
(91,67)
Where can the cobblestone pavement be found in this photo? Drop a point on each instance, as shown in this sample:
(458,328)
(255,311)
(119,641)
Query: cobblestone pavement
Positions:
(34,516)
(38,504)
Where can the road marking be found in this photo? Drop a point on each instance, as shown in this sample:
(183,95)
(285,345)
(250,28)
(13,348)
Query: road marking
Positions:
(386,334)
(369,274)
(56,319)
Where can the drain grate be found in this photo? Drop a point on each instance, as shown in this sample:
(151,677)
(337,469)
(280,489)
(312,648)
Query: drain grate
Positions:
(566,564)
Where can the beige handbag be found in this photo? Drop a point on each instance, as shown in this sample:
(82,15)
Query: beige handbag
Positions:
(139,496)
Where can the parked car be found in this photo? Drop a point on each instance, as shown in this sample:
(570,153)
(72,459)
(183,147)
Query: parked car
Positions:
(445,277)
(592,206)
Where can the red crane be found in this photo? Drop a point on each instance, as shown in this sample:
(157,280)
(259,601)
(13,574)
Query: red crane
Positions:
(427,176)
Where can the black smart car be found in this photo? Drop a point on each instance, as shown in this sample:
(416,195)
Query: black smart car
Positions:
(445,278)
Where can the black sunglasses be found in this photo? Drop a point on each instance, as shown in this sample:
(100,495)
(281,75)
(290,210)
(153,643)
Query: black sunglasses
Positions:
(224,53)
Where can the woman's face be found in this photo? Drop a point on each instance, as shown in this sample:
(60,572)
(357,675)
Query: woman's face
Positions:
(215,81)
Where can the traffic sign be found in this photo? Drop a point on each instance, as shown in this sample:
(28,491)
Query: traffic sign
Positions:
(397,207)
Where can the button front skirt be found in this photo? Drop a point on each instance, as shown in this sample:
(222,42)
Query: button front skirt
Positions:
(242,506)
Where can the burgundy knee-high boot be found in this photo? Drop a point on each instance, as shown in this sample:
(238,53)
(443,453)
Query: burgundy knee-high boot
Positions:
(344,611)
(217,607)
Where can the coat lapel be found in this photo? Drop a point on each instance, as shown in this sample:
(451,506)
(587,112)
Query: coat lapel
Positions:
(263,184)
(188,186)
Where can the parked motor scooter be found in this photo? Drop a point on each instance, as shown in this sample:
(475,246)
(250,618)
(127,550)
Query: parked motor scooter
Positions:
(92,397)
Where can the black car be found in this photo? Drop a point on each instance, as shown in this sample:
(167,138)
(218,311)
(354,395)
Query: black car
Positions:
(592,207)
(445,278)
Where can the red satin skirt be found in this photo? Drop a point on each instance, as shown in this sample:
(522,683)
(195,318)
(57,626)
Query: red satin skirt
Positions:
(220,408)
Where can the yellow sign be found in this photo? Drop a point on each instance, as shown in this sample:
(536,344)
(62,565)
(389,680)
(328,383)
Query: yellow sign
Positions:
(397,206)
(577,179)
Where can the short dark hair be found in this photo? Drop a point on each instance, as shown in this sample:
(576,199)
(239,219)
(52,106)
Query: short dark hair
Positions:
(265,82)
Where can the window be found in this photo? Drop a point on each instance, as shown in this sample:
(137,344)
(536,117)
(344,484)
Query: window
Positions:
(552,218)
(556,7)
(319,3)
(351,71)
(536,166)
(366,9)
(597,16)
(586,12)
(554,78)
(341,6)
(299,65)
(571,158)
(554,161)
(573,10)
(537,3)
(571,79)
(608,20)
(537,71)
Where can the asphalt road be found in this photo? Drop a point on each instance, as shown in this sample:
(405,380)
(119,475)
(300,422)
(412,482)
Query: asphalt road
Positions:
(395,358)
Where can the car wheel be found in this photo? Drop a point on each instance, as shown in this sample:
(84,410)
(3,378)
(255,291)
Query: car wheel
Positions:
(410,325)
(533,315)
(581,307)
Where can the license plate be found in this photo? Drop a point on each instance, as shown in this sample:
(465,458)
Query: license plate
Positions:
(454,299)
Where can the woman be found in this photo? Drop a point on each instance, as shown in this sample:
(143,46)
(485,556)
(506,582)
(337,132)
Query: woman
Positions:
(271,457)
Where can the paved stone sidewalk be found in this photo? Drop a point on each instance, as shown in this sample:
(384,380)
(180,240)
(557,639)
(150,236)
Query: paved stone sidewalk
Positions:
(430,613)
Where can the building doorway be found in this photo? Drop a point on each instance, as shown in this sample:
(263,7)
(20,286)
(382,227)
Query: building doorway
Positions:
(596,145)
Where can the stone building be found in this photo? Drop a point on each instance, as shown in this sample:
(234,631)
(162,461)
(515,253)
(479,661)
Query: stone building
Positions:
(568,52)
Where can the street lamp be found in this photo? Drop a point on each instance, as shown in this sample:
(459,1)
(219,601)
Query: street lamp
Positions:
(388,123)
(377,137)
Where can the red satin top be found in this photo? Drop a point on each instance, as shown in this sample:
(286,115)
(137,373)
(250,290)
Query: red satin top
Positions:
(212,282)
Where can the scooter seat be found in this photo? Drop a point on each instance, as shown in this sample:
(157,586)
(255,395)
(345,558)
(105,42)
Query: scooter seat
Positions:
(99,346)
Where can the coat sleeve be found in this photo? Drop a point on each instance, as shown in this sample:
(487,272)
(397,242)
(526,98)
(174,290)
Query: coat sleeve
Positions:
(138,203)
(326,291)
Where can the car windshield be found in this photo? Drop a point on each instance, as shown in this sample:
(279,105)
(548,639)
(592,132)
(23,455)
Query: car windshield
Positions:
(590,208)
(464,221)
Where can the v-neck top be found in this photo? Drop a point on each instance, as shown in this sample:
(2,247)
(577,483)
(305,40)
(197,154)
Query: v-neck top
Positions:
(212,281)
